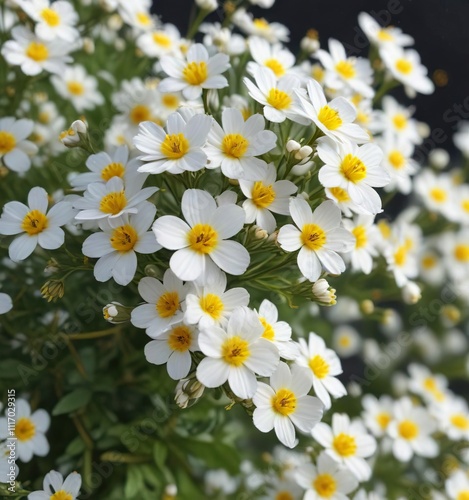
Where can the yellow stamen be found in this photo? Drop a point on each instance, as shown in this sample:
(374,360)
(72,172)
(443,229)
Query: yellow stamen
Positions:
(37,51)
(180,338)
(262,195)
(124,238)
(7,142)
(50,17)
(34,222)
(279,99)
(203,238)
(113,203)
(212,305)
(168,304)
(25,429)
(345,69)
(276,66)
(319,366)
(325,485)
(353,169)
(114,169)
(235,351)
(313,237)
(234,145)
(284,402)
(329,117)
(408,429)
(195,73)
(175,146)
(345,445)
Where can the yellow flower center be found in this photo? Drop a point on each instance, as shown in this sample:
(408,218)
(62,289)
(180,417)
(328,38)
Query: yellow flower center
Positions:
(313,237)
(404,66)
(170,101)
(143,18)
(344,341)
(140,113)
(124,238)
(353,169)
(7,142)
(212,305)
(461,253)
(400,121)
(260,23)
(234,145)
(75,88)
(438,195)
(345,445)
(269,333)
(235,351)
(339,194)
(114,169)
(408,429)
(180,338)
(37,51)
(279,99)
(318,73)
(276,66)
(361,238)
(175,146)
(383,419)
(262,195)
(162,39)
(284,495)
(346,69)
(167,304)
(400,256)
(319,366)
(203,238)
(429,262)
(195,73)
(463,495)
(113,203)
(50,17)
(61,495)
(329,117)
(384,229)
(460,421)
(325,485)
(284,402)
(34,222)
(362,117)
(25,429)
(384,36)
(43,117)
(396,159)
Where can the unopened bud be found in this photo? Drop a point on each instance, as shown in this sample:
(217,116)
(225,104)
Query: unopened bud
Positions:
(51,267)
(188,389)
(115,22)
(411,293)
(170,492)
(310,43)
(323,293)
(75,136)
(88,45)
(261,234)
(367,306)
(450,315)
(116,313)
(208,5)
(303,152)
(439,158)
(152,271)
(292,145)
(53,290)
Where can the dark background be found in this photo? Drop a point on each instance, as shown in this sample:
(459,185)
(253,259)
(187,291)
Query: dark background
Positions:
(440,29)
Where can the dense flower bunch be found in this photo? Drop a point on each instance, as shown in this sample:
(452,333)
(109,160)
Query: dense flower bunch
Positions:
(204,195)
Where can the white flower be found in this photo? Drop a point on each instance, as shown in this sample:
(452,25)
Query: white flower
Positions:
(275,57)
(160,42)
(347,443)
(272,32)
(265,196)
(382,36)
(411,293)
(324,366)
(284,404)
(319,237)
(29,431)
(236,354)
(323,293)
(137,14)
(346,341)
(457,486)
(432,388)
(202,243)
(76,86)
(453,418)
(55,487)
(34,54)
(174,348)
(436,192)
(116,247)
(38,226)
(401,260)
(377,413)
(411,429)
(366,237)
(6,304)
(334,119)
(72,137)
(211,304)
(164,303)
(176,149)
(356,169)
(398,163)
(235,146)
(8,471)
(223,38)
(196,72)
(461,138)
(14,148)
(326,480)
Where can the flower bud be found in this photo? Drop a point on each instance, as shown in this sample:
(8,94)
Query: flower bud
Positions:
(116,313)
(303,152)
(439,158)
(208,5)
(260,234)
(188,389)
(310,43)
(170,492)
(323,293)
(53,290)
(75,136)
(88,45)
(367,306)
(152,271)
(292,145)
(411,293)
(51,267)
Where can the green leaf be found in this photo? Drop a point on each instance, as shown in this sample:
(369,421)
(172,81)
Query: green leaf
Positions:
(214,454)
(72,401)
(75,447)
(9,368)
(134,481)
(160,452)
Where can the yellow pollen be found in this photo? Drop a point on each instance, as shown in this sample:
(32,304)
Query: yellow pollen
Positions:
(34,222)
(325,485)
(195,73)
(279,99)
(114,169)
(140,113)
(50,17)
(175,146)
(360,236)
(203,238)
(396,159)
(346,69)
(25,429)
(7,142)
(37,51)
(124,238)
(319,366)
(162,39)
(260,23)
(170,101)
(339,194)
(143,18)
(345,445)
(329,118)
(461,253)
(404,66)
(235,351)
(463,495)
(75,88)
(383,419)
(61,495)
(429,262)
(384,36)
(438,195)
(167,304)
(465,205)
(276,66)
(284,402)
(460,421)
(180,338)
(212,305)
(353,169)
(400,256)
(400,121)
(262,195)
(234,145)
(113,203)
(269,333)
(284,495)
(313,237)
(408,429)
